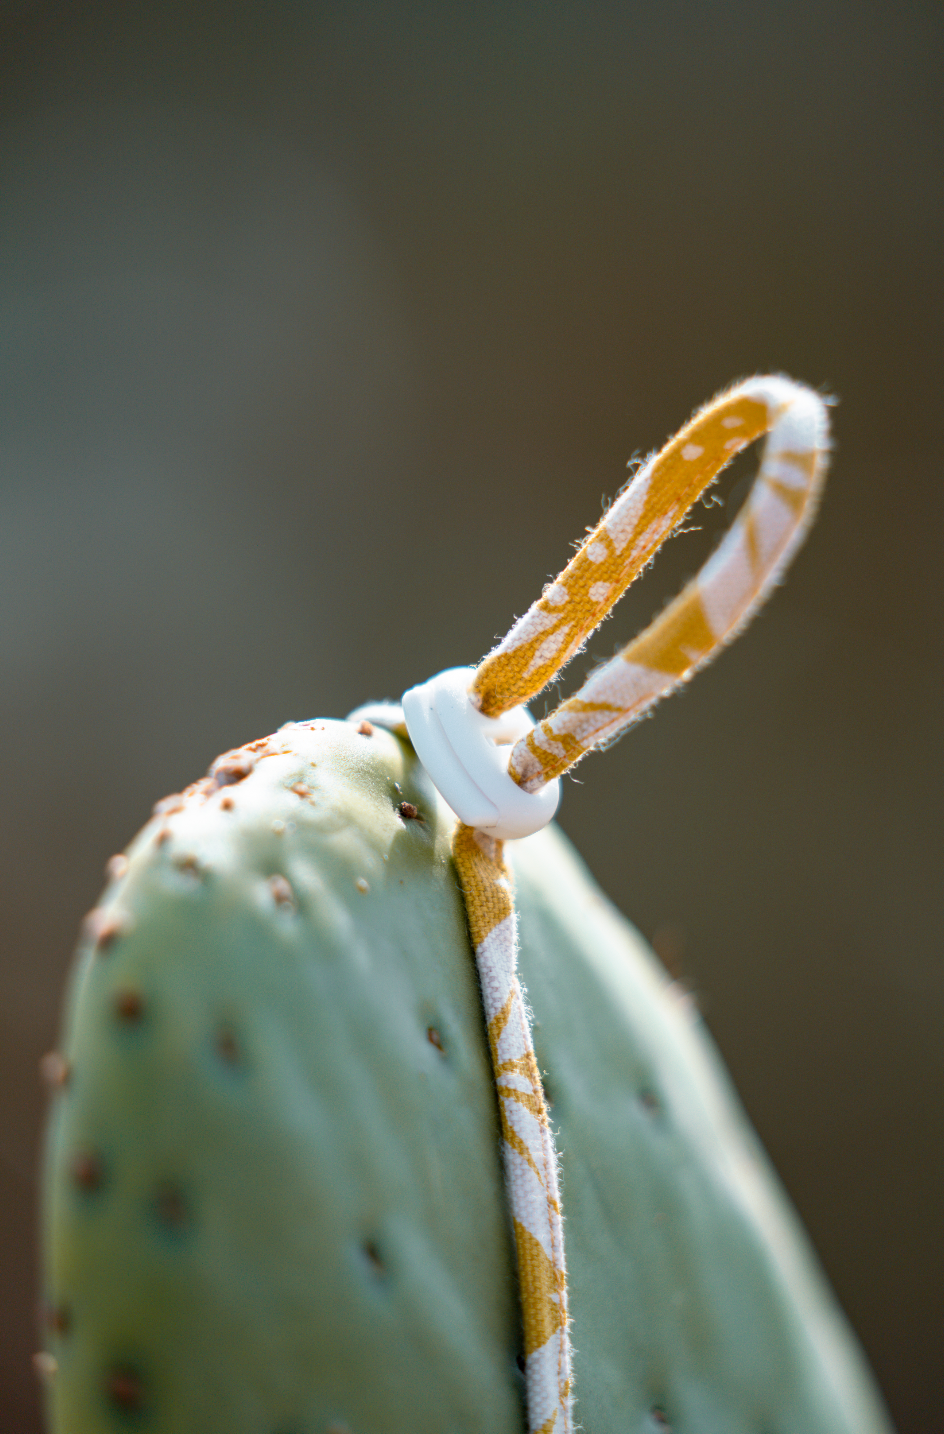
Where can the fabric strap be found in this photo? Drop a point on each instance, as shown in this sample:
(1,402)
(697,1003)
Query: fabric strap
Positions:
(707,614)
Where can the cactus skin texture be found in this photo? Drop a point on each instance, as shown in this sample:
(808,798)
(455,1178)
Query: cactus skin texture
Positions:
(274,1200)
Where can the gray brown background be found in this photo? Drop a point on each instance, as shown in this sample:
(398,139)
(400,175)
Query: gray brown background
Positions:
(325,328)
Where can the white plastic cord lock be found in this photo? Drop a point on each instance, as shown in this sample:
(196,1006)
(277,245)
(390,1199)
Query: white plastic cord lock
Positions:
(466,755)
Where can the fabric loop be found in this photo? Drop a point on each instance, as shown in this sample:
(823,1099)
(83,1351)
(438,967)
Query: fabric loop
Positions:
(708,613)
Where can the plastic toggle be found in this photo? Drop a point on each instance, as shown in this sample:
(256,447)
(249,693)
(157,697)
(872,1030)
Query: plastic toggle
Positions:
(466,755)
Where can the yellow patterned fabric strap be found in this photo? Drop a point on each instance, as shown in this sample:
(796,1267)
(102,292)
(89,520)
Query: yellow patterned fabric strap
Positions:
(530,1158)
(707,614)
(710,611)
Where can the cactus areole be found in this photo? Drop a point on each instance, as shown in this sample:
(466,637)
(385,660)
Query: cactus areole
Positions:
(312,1158)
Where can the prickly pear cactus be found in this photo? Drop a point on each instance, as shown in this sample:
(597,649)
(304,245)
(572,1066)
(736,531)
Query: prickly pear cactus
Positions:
(274,1202)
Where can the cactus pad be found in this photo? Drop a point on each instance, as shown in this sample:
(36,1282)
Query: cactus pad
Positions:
(274,1201)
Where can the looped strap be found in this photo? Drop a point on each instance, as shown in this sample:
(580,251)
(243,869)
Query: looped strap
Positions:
(710,611)
(467,749)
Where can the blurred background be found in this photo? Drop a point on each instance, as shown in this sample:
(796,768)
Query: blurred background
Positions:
(326,329)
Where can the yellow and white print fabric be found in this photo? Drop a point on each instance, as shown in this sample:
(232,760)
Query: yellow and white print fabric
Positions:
(530,1158)
(707,614)
(711,609)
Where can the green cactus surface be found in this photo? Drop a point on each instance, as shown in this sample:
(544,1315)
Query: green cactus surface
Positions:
(274,1200)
